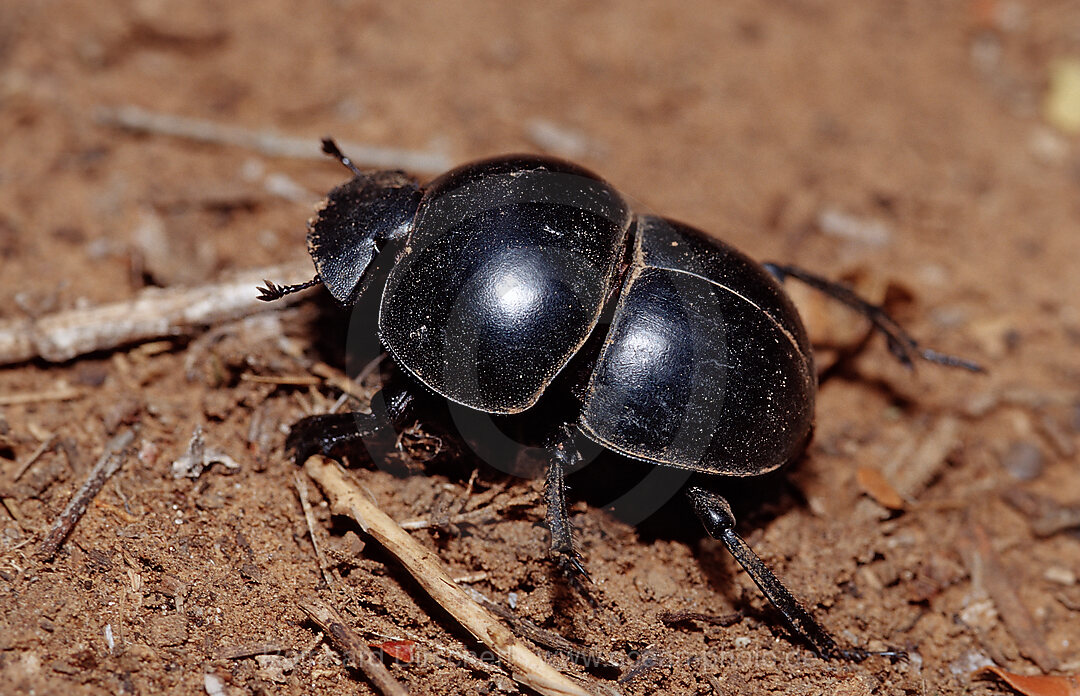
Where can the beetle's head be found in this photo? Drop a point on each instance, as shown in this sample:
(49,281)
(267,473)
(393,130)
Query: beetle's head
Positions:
(351,227)
(354,223)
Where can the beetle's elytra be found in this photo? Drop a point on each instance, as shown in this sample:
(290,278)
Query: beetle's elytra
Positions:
(518,278)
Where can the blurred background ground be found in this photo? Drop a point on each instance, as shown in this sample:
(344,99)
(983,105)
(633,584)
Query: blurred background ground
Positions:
(925,151)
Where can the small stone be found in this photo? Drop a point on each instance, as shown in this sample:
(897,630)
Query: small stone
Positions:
(1024,461)
(1060,575)
(165,631)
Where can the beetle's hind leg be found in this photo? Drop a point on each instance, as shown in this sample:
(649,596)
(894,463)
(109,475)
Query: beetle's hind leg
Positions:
(901,344)
(564,455)
(715,514)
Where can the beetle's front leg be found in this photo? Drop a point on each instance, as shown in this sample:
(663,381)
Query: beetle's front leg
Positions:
(330,434)
(564,455)
(901,344)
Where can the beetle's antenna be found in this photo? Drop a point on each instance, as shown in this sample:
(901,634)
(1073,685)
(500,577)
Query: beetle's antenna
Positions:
(272,291)
(331,148)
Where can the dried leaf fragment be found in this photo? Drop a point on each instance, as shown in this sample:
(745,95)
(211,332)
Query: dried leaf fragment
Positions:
(401,650)
(1038,685)
(873,483)
(198,457)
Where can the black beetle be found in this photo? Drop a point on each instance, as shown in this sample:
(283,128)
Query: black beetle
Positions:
(501,273)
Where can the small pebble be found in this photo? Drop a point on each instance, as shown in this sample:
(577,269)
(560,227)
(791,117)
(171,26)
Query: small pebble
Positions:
(836,223)
(1060,575)
(213,685)
(1024,461)
(558,139)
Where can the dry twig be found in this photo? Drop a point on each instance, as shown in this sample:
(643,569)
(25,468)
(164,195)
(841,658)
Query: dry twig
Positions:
(111,460)
(462,658)
(42,448)
(62,393)
(355,649)
(309,517)
(153,313)
(526,666)
(999,585)
(473,516)
(267,142)
(541,636)
(910,473)
(238,652)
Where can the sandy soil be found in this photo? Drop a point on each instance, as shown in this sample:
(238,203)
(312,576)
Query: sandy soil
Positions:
(902,146)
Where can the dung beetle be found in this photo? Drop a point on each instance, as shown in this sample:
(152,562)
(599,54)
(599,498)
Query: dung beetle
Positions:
(521,281)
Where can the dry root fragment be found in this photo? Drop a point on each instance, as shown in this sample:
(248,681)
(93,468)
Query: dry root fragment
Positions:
(526,667)
(153,313)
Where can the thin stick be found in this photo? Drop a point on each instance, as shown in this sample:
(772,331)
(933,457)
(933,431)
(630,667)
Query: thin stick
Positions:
(62,394)
(1000,586)
(309,517)
(475,516)
(238,652)
(338,380)
(541,636)
(47,444)
(526,667)
(286,380)
(267,142)
(355,649)
(463,658)
(153,313)
(111,460)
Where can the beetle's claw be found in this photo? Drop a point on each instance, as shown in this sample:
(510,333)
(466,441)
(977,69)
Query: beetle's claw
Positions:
(574,571)
(579,568)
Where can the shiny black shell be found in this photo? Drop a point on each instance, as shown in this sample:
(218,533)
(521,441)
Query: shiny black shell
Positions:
(706,365)
(502,279)
(501,272)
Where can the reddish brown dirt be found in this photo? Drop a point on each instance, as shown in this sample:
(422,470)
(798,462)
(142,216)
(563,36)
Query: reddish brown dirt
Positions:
(921,122)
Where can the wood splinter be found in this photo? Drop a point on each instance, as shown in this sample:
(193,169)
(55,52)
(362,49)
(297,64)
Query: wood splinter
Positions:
(116,451)
(525,666)
(354,648)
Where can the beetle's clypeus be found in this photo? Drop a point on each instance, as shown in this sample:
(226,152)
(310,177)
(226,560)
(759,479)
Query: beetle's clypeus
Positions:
(501,272)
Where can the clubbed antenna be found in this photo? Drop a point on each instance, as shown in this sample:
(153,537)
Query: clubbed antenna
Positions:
(272,291)
(331,148)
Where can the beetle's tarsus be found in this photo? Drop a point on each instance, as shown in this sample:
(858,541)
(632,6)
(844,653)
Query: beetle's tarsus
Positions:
(564,455)
(271,291)
(950,360)
(901,344)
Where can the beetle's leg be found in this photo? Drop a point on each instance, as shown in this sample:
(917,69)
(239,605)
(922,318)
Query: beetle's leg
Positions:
(901,344)
(715,514)
(564,455)
(272,291)
(330,433)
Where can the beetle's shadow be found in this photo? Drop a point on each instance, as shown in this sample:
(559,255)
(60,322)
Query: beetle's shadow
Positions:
(606,478)
(755,501)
